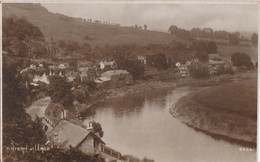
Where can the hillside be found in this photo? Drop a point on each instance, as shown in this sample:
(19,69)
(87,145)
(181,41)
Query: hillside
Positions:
(61,27)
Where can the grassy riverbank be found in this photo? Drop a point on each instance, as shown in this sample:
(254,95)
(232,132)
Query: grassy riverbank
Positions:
(228,110)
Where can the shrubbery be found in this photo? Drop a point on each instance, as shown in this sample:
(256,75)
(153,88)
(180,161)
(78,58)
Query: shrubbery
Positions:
(242,59)
(223,69)
(198,69)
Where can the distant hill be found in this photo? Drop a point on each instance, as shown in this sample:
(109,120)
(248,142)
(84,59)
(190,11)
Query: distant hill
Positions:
(61,27)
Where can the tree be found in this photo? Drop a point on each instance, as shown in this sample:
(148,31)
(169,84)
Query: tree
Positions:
(240,59)
(158,61)
(60,91)
(202,56)
(98,129)
(198,69)
(234,38)
(173,29)
(18,129)
(203,48)
(145,26)
(254,38)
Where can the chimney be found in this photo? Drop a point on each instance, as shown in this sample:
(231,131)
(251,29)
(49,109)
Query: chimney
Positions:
(65,114)
(61,115)
(90,126)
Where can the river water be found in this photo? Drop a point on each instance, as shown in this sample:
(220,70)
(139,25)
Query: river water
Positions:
(141,125)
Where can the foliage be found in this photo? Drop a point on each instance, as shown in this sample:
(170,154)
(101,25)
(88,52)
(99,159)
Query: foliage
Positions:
(60,91)
(185,34)
(53,154)
(240,59)
(223,69)
(158,61)
(80,94)
(198,69)
(133,66)
(254,38)
(21,38)
(21,29)
(145,27)
(90,83)
(203,48)
(18,129)
(234,38)
(98,129)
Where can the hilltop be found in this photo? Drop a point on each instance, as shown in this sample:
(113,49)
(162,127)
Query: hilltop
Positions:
(61,27)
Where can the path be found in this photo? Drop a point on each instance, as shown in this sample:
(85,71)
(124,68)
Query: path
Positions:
(38,108)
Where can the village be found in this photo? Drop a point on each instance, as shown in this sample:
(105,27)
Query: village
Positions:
(106,92)
(105,75)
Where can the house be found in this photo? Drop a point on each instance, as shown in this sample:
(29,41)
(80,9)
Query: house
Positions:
(110,64)
(183,68)
(118,77)
(63,66)
(102,81)
(215,61)
(71,76)
(142,59)
(67,135)
(215,57)
(32,66)
(42,78)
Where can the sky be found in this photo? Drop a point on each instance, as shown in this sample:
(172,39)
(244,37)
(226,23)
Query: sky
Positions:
(159,16)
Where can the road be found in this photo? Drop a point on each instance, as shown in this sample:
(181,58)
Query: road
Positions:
(38,108)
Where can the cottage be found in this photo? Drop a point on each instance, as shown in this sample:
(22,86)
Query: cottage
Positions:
(67,135)
(110,64)
(215,60)
(71,76)
(215,56)
(142,59)
(183,68)
(42,78)
(118,77)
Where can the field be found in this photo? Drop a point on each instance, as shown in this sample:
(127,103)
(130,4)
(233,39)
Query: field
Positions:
(54,26)
(240,98)
(227,51)
(228,110)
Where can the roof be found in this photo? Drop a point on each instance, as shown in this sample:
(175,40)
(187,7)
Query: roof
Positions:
(114,72)
(215,55)
(102,79)
(212,62)
(67,134)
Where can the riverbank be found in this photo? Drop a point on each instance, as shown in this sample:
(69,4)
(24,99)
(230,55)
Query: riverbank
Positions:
(227,111)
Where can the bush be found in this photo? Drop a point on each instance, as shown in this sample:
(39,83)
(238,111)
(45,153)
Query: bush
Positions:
(223,69)
(198,69)
(240,59)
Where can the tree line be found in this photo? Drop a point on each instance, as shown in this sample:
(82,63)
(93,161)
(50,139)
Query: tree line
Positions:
(233,37)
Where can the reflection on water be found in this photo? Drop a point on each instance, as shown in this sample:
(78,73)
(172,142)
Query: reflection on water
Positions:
(141,125)
(133,104)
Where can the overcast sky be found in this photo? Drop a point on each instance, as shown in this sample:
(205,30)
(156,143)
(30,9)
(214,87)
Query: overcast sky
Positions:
(230,17)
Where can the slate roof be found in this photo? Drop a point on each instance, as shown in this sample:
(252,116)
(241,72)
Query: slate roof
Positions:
(67,134)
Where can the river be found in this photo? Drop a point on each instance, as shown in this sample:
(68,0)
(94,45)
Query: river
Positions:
(141,125)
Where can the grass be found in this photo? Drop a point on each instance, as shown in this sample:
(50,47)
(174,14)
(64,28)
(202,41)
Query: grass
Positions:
(240,98)
(228,51)
(76,30)
(228,110)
